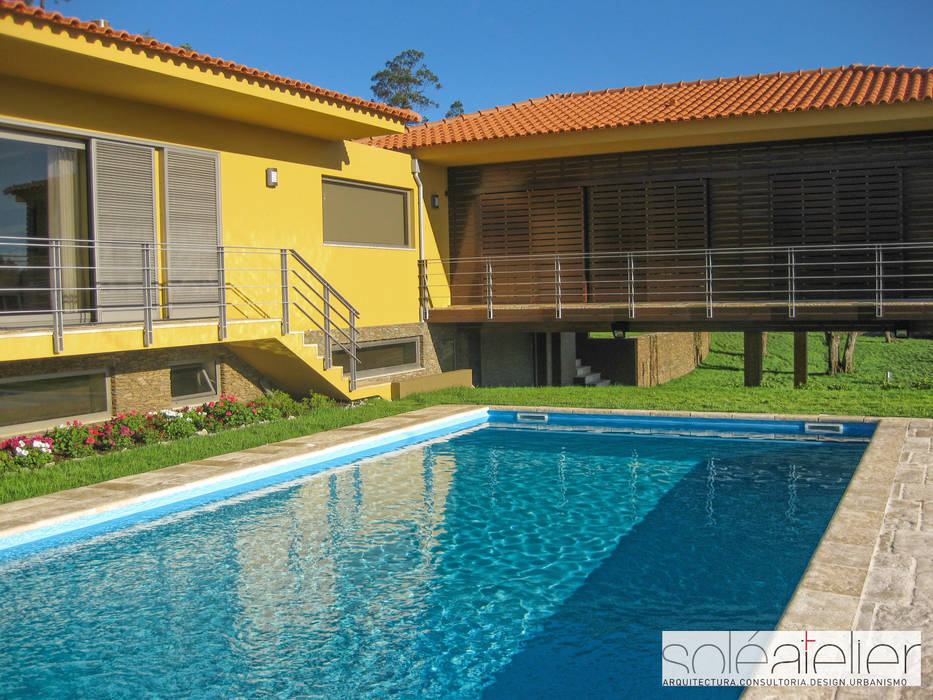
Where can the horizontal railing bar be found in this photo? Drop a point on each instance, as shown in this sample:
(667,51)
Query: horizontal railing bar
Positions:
(700,251)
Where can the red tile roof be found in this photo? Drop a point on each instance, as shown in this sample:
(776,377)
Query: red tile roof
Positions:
(39,16)
(675,102)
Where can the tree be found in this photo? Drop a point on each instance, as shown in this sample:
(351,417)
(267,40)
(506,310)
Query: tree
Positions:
(404,81)
(456,110)
(835,363)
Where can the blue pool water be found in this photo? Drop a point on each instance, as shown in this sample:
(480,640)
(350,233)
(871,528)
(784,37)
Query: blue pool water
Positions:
(499,562)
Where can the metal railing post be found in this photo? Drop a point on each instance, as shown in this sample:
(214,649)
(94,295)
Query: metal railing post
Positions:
(558,302)
(791,283)
(58,316)
(354,348)
(631,284)
(709,284)
(221,294)
(284,270)
(328,346)
(147,293)
(488,289)
(879,282)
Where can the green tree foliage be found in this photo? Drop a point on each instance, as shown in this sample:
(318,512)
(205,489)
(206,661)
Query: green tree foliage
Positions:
(405,81)
(456,109)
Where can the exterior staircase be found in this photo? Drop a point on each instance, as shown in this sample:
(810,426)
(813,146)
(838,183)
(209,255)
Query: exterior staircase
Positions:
(587,377)
(298,367)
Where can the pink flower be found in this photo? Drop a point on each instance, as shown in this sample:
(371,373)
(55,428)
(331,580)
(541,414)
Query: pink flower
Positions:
(228,413)
(89,441)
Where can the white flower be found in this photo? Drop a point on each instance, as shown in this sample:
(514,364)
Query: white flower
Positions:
(20,452)
(169,414)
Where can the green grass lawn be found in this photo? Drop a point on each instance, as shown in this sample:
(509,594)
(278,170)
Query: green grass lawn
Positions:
(717,385)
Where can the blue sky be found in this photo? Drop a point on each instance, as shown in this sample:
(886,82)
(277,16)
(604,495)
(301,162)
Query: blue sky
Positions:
(493,53)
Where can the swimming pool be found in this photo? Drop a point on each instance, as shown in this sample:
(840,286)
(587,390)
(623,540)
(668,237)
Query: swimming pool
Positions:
(515,556)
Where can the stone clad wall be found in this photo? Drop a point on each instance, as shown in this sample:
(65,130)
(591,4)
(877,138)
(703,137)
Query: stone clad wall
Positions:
(429,360)
(644,360)
(140,380)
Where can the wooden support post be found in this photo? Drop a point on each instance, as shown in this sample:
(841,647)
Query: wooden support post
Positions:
(754,346)
(800,358)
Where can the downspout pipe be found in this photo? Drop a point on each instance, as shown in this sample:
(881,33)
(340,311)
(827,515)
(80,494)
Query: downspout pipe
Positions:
(416,173)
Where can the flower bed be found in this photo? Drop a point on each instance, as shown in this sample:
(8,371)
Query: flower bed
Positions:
(126,430)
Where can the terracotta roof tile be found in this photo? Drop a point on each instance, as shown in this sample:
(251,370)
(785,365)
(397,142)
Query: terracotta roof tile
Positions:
(822,88)
(39,16)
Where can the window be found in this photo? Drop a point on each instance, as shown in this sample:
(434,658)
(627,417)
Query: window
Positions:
(365,215)
(43,195)
(51,398)
(382,357)
(195,380)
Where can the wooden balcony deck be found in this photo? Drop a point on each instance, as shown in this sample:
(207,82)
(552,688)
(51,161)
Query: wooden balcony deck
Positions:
(817,316)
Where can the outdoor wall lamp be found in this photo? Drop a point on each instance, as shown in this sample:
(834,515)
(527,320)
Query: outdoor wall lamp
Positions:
(435,201)
(272,177)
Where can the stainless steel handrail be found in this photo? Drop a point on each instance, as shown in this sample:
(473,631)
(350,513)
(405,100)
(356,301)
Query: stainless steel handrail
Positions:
(872,274)
(57,283)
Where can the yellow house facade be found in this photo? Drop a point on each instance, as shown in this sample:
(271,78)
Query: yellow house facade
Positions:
(174,226)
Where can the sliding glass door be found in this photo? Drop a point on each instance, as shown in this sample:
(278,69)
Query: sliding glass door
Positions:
(43,202)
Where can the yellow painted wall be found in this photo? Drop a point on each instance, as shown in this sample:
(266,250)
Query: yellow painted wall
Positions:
(381,283)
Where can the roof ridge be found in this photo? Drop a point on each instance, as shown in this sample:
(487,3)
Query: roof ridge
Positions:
(17,7)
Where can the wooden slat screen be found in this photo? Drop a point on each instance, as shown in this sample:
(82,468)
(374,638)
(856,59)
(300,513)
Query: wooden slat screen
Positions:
(739,188)
(655,215)
(548,222)
(192,232)
(124,213)
(836,207)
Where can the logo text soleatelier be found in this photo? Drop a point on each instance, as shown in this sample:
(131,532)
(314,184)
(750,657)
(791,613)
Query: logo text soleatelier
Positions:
(791,658)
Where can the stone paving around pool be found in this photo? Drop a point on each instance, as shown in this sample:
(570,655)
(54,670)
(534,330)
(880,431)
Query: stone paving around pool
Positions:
(873,568)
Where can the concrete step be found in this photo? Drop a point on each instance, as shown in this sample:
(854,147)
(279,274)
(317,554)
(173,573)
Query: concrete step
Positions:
(587,377)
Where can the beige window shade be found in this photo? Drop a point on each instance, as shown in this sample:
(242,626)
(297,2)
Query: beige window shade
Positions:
(359,214)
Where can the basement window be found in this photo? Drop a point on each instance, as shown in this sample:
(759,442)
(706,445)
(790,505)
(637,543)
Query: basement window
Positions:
(382,357)
(360,214)
(197,380)
(32,403)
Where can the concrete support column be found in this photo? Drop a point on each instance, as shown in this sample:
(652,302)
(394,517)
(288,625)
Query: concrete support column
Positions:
(754,352)
(800,358)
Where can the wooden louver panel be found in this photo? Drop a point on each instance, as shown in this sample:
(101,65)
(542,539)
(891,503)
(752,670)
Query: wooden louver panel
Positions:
(648,217)
(543,223)
(837,208)
(124,219)
(192,232)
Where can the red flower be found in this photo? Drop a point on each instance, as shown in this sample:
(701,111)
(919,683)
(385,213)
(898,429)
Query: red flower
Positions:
(228,413)
(89,441)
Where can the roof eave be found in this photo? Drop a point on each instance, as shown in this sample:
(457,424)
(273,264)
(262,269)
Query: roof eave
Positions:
(39,50)
(773,126)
